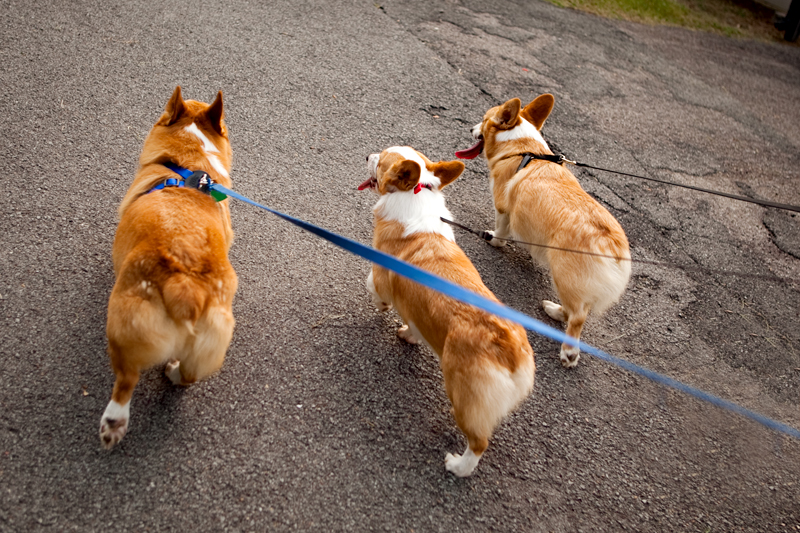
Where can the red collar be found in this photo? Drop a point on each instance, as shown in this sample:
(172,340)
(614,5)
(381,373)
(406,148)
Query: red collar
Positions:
(418,187)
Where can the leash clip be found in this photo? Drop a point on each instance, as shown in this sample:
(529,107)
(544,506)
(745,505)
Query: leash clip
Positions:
(199,180)
(562,159)
(202,182)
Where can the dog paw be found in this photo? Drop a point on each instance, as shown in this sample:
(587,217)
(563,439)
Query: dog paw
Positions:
(457,465)
(405,333)
(114,424)
(382,306)
(497,243)
(570,357)
(173,372)
(112,431)
(554,311)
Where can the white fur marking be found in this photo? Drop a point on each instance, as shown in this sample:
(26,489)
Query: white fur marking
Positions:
(115,411)
(525,130)
(462,465)
(208,148)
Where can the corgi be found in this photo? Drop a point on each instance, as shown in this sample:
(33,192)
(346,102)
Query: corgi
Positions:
(171,301)
(487,363)
(543,203)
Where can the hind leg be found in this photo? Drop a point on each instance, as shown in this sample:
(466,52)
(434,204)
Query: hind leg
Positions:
(114,422)
(573,309)
(481,395)
(570,355)
(212,338)
(139,336)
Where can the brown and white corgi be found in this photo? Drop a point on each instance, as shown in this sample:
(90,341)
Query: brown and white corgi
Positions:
(171,302)
(543,203)
(486,361)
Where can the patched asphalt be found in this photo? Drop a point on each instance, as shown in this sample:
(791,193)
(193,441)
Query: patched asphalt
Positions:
(321,419)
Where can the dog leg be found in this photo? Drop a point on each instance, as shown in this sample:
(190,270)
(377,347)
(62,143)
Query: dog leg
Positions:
(570,355)
(114,422)
(377,301)
(502,224)
(554,311)
(405,333)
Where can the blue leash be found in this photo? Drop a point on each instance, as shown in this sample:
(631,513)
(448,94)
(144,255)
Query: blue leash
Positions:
(460,293)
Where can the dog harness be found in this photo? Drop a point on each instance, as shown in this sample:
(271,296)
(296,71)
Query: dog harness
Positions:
(527,157)
(194,180)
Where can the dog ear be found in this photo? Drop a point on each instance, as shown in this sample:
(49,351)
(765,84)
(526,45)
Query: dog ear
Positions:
(508,114)
(446,171)
(215,114)
(402,176)
(175,107)
(537,111)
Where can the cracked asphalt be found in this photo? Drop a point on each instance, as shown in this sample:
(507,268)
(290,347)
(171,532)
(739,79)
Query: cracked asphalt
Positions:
(321,419)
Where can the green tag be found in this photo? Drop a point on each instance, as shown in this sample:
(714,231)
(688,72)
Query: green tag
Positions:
(218,196)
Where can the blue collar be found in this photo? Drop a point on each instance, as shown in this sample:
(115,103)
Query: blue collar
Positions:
(173,182)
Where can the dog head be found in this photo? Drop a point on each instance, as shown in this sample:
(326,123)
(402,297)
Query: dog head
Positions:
(508,123)
(189,131)
(403,169)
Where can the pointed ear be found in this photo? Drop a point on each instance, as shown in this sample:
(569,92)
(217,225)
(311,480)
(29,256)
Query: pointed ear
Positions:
(447,171)
(215,114)
(537,111)
(402,176)
(175,107)
(506,117)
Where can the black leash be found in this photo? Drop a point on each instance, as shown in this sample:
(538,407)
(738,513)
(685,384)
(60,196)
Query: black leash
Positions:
(558,159)
(486,236)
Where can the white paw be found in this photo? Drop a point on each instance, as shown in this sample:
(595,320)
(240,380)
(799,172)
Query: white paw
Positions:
(570,356)
(497,243)
(459,465)
(405,333)
(173,372)
(554,311)
(114,424)
(381,306)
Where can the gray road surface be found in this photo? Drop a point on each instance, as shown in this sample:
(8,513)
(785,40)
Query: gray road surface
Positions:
(321,419)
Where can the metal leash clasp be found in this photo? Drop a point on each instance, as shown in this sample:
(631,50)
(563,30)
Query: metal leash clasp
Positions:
(199,180)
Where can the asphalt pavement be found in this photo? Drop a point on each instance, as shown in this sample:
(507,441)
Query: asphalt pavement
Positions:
(321,419)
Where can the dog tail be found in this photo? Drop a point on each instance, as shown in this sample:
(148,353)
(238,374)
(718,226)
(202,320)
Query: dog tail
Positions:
(185,298)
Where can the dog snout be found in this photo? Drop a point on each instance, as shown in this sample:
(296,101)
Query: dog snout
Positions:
(476,130)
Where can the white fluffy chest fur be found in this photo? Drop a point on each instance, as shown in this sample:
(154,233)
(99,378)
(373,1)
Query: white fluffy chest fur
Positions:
(421,212)
(418,213)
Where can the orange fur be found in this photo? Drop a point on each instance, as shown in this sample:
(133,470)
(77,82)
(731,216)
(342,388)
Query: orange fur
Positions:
(174,283)
(487,362)
(545,204)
